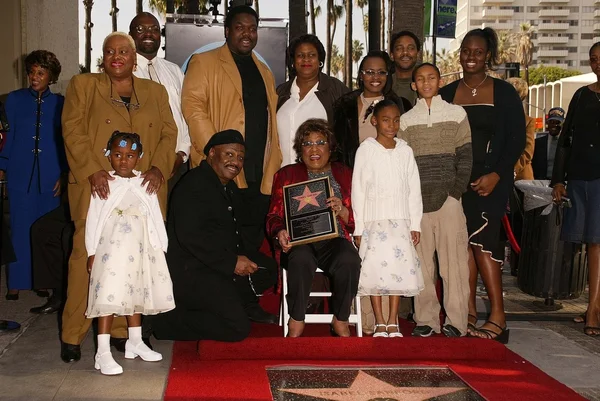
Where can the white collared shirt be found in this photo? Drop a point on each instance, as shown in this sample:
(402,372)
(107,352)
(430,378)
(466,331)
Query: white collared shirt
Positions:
(292,114)
(171,78)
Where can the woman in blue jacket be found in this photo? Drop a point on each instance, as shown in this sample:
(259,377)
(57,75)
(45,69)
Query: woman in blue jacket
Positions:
(33,159)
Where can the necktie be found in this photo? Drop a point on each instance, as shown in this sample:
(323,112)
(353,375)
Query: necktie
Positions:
(152,72)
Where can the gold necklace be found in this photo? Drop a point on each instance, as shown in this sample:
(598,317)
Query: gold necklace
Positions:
(474,90)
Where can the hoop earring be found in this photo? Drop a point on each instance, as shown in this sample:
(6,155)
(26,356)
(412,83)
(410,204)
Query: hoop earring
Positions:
(321,64)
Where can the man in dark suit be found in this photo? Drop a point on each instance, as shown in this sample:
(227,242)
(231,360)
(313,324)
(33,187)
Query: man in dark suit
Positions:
(545,145)
(216,281)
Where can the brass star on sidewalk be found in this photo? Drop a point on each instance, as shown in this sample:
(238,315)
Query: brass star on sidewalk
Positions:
(308,198)
(366,387)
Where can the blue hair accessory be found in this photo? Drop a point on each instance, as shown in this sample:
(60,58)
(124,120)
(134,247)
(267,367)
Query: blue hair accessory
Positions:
(122,143)
(133,146)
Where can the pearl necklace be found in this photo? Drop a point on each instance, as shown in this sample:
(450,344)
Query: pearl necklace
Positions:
(474,90)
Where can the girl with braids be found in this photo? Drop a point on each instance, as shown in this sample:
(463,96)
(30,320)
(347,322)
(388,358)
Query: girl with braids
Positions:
(497,123)
(130,276)
(387,205)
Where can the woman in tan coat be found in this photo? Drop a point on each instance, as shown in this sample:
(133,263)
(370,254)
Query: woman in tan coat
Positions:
(523,169)
(96,105)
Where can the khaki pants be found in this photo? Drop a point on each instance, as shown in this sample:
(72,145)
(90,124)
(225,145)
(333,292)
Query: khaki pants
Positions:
(444,231)
(74,323)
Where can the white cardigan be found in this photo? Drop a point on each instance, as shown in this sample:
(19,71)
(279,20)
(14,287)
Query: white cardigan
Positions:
(386,185)
(100,210)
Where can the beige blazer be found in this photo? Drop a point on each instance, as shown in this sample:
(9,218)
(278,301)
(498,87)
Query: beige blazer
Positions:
(523,168)
(212,101)
(90,117)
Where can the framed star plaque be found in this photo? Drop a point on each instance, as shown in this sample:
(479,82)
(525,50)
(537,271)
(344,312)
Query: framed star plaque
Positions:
(307,216)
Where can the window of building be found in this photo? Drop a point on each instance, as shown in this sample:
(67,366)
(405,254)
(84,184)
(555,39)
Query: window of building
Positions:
(584,63)
(476,9)
(572,49)
(588,9)
(573,22)
(587,36)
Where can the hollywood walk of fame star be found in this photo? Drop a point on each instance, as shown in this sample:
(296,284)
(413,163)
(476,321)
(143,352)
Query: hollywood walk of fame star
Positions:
(366,387)
(308,198)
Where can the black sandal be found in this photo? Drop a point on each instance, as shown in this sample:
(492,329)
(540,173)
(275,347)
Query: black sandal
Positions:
(471,326)
(501,337)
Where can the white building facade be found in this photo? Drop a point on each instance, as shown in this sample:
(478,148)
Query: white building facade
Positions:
(564,29)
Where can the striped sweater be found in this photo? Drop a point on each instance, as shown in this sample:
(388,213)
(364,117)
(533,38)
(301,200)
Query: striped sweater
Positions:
(440,137)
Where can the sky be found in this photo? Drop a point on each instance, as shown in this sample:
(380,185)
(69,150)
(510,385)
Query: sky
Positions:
(268,9)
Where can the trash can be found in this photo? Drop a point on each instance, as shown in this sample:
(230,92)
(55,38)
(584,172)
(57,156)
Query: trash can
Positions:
(548,267)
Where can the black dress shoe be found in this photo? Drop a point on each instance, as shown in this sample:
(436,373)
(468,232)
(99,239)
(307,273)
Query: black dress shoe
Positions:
(118,343)
(42,293)
(258,315)
(51,306)
(70,353)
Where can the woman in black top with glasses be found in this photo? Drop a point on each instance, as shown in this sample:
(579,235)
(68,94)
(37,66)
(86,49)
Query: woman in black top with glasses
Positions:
(351,113)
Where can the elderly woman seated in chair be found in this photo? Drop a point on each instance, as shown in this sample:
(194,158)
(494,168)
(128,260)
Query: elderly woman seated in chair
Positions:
(337,257)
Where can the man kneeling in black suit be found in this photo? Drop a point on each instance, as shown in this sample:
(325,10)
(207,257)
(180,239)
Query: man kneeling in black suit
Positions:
(216,282)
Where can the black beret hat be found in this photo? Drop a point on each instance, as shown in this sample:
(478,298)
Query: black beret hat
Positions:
(223,138)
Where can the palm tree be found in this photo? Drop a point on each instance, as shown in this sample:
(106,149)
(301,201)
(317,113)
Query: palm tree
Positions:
(348,44)
(297,12)
(329,47)
(357,52)
(337,61)
(506,48)
(88,4)
(113,13)
(257,8)
(382,27)
(390,27)
(408,15)
(139,6)
(313,17)
(336,14)
(362,4)
(525,47)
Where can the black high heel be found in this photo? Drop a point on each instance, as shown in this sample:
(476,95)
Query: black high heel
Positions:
(501,337)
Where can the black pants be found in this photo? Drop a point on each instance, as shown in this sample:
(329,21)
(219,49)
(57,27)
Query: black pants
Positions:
(338,259)
(212,305)
(51,243)
(252,220)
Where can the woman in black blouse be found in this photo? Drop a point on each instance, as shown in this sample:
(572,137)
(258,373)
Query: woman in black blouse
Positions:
(578,162)
(497,125)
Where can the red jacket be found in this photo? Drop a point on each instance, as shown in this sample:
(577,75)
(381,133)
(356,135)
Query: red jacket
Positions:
(295,173)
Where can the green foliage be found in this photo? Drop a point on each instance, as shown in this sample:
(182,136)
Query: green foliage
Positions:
(536,75)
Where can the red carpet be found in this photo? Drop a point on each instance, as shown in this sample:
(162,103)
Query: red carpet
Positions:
(216,371)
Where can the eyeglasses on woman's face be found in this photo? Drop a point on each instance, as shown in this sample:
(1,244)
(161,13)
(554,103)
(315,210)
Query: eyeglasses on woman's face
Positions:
(372,73)
(319,143)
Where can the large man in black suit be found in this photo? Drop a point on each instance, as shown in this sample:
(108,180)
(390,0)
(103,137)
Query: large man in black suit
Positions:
(545,145)
(215,280)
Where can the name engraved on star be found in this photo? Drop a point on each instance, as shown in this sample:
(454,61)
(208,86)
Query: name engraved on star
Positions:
(307,216)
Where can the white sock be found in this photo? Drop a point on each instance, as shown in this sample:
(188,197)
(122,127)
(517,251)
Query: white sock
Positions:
(135,335)
(103,343)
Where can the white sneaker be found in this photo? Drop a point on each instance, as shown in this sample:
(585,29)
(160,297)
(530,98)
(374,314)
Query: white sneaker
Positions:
(141,350)
(107,365)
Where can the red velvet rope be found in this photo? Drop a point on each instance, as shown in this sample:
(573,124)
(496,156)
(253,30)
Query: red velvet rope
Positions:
(511,237)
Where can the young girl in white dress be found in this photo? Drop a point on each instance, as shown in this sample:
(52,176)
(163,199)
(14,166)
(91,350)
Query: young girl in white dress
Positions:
(130,275)
(387,205)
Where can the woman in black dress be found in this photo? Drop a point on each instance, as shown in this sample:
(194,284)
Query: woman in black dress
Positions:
(578,162)
(497,125)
